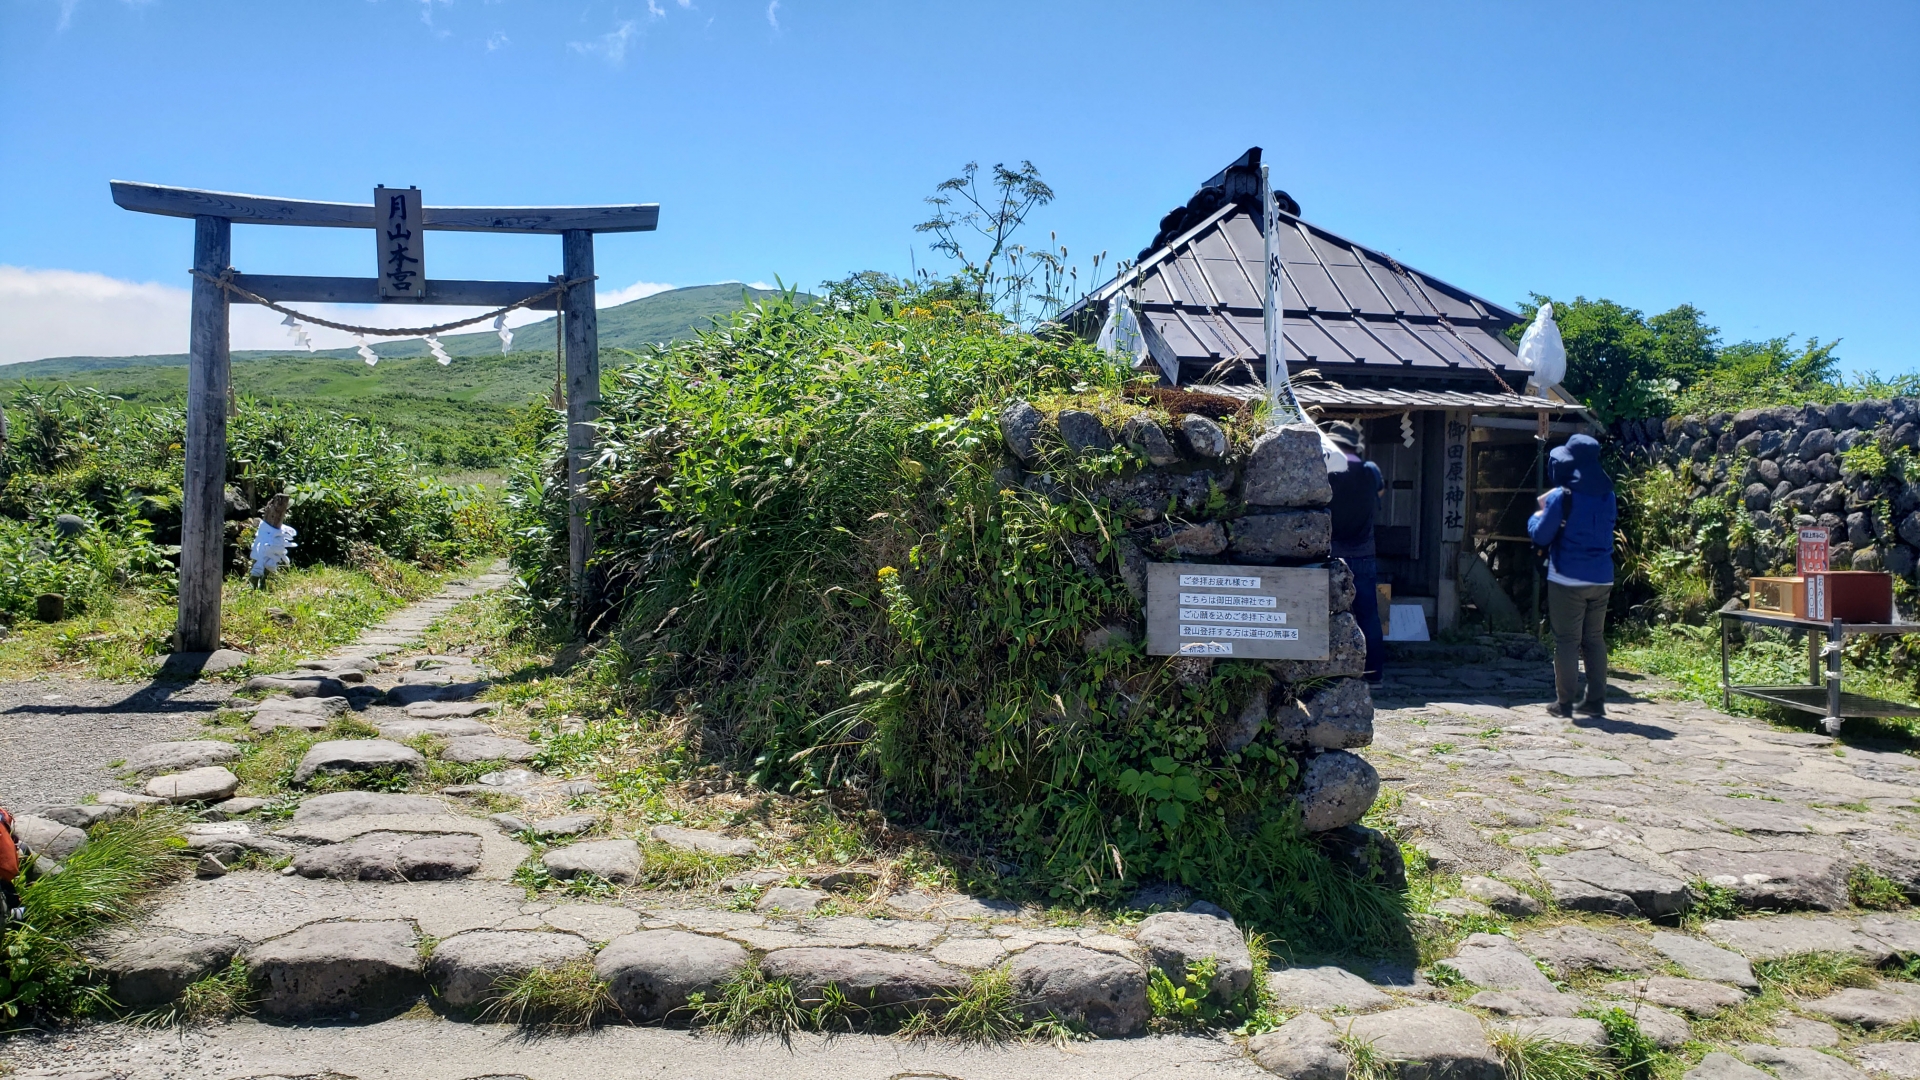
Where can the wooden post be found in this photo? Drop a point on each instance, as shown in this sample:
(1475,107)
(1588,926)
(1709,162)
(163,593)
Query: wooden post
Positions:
(583,406)
(203,514)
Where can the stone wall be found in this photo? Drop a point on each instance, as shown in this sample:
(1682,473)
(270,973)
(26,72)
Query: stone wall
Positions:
(1785,466)
(1204,492)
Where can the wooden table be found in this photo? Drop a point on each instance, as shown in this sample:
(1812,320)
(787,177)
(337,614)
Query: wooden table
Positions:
(1821,694)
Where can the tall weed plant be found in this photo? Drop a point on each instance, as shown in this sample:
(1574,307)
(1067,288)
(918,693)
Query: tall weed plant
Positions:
(811,547)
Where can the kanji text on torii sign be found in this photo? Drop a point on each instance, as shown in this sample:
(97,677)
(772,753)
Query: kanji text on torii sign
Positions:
(402,243)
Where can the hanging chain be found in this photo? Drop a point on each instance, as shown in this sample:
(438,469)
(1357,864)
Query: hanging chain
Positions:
(225,281)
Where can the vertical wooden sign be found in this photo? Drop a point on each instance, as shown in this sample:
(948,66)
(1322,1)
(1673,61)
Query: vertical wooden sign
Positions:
(402,243)
(1453,478)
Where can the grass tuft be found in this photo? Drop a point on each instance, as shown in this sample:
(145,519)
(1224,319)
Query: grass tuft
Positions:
(1870,889)
(750,1004)
(1814,974)
(570,997)
(987,1011)
(1535,1058)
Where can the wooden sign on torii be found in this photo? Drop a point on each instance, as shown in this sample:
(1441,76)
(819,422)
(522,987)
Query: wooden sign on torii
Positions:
(400,218)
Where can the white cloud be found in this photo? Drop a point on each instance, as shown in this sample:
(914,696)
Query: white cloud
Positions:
(632,292)
(773,14)
(654,9)
(77,313)
(762,286)
(612,46)
(496,40)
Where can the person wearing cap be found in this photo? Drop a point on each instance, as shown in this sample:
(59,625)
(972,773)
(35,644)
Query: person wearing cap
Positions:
(1356,496)
(1575,526)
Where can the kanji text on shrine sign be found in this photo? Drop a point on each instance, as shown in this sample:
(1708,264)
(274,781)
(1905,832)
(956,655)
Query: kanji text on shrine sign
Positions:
(402,242)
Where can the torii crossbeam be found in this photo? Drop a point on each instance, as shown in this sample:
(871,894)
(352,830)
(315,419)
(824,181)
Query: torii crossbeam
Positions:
(214,214)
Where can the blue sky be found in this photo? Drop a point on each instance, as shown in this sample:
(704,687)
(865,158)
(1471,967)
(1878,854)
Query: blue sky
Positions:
(1760,160)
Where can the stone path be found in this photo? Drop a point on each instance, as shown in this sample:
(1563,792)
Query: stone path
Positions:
(1586,838)
(1572,847)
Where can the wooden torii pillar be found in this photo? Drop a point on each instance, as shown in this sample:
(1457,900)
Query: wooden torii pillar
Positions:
(214,214)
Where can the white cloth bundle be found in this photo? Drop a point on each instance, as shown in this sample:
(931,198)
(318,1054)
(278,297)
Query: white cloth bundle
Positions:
(270,544)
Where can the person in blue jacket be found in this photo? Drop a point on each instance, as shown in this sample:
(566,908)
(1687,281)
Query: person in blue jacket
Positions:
(1575,526)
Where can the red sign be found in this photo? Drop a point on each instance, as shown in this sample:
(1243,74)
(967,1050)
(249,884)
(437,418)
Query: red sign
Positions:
(1812,558)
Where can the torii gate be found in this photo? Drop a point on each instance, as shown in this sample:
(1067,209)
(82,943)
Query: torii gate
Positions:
(399,220)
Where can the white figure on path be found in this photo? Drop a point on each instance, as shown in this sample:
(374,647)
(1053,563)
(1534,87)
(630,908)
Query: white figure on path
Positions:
(271,540)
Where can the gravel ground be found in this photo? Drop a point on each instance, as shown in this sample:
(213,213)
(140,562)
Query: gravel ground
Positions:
(59,734)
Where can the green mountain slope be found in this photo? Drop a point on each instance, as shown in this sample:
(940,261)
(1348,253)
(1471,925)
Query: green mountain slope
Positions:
(666,316)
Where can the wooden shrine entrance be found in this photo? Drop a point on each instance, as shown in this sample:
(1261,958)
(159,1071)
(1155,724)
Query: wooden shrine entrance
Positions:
(399,221)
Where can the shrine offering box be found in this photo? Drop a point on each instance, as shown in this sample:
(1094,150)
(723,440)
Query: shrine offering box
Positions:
(1860,596)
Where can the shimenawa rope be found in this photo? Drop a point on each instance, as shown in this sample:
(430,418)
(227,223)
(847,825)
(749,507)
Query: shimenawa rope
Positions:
(225,281)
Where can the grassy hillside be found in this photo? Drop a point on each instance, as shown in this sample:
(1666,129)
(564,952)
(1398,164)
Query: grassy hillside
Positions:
(459,416)
(667,316)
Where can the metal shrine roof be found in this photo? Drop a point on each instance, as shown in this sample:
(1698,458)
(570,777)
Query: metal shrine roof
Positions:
(1351,311)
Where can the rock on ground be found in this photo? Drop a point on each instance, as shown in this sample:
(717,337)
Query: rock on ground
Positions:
(1568,949)
(1175,939)
(1570,1030)
(1704,961)
(868,977)
(390,856)
(211,784)
(401,730)
(467,749)
(651,974)
(336,969)
(178,756)
(1497,963)
(1688,995)
(48,837)
(1776,879)
(1900,1060)
(1304,1048)
(1323,989)
(315,686)
(564,825)
(154,971)
(1527,1003)
(466,969)
(334,805)
(617,861)
(1104,992)
(1667,1030)
(449,710)
(1800,1063)
(699,840)
(1652,893)
(1719,1066)
(1432,1042)
(355,755)
(1500,896)
(790,900)
(1790,935)
(1886,1006)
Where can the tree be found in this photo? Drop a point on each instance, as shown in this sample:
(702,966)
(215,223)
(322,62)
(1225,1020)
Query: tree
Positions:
(1621,363)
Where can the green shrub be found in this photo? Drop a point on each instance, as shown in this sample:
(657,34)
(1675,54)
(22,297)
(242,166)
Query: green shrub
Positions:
(802,528)
(119,466)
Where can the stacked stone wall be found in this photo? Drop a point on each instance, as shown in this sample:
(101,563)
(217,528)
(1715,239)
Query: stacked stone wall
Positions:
(1788,466)
(1204,493)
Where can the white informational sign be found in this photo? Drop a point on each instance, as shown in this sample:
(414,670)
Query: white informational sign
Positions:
(402,243)
(1246,612)
(1453,477)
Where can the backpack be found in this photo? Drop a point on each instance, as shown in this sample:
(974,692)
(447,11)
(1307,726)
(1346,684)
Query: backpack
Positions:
(9,849)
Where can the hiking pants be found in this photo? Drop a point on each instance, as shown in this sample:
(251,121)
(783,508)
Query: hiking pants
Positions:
(1366,611)
(1579,617)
